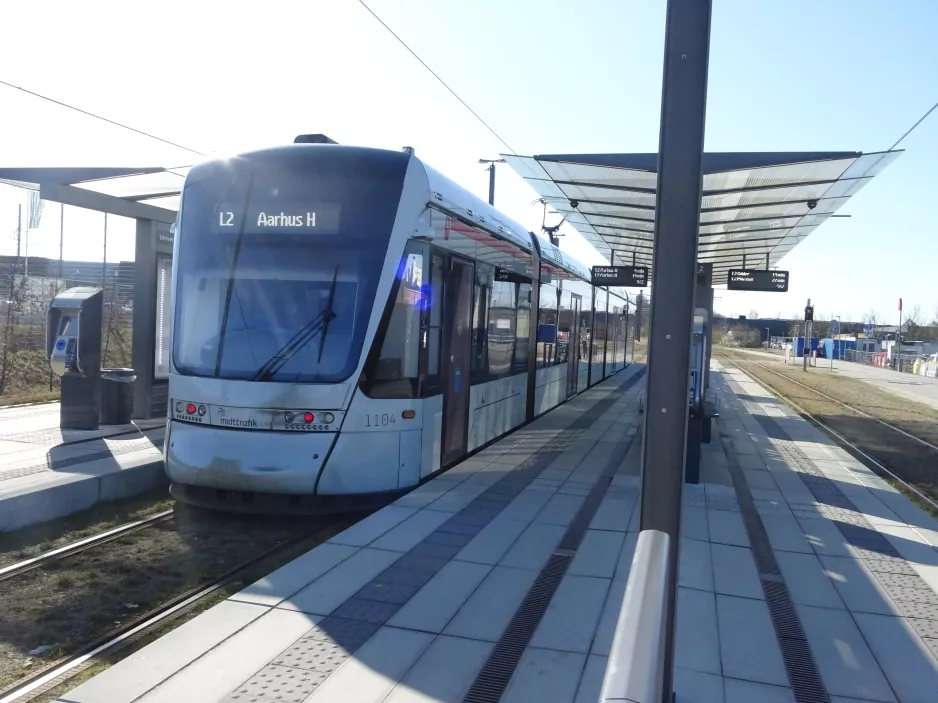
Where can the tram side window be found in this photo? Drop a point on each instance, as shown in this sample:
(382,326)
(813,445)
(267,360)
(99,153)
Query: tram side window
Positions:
(564,327)
(523,293)
(434,322)
(495,320)
(547,325)
(395,372)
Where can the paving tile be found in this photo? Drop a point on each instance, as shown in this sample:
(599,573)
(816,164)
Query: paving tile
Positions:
(222,669)
(858,588)
(908,665)
(694,523)
(489,609)
(734,572)
(726,527)
(697,644)
(534,546)
(748,645)
(807,582)
(444,672)
(598,554)
(159,660)
(423,495)
(825,538)
(614,514)
(625,557)
(295,575)
(572,616)
(695,569)
(591,682)
(697,687)
(526,506)
(329,591)
(546,676)
(847,666)
(760,480)
(748,692)
(436,603)
(369,676)
(411,531)
(559,510)
(493,541)
(605,629)
(366,531)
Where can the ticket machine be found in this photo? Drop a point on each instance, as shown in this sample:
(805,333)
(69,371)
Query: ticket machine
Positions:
(73,342)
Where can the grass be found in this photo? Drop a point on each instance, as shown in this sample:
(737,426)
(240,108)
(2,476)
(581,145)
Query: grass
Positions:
(30,398)
(34,540)
(331,527)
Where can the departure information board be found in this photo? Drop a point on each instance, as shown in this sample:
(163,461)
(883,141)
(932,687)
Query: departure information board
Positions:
(626,276)
(757,280)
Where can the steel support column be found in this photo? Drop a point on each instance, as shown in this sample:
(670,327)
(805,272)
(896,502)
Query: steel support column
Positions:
(677,213)
(703,299)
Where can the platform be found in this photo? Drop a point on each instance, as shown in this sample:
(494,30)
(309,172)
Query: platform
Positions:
(47,472)
(437,597)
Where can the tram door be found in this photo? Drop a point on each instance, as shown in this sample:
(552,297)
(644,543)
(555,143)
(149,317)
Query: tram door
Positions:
(573,350)
(457,316)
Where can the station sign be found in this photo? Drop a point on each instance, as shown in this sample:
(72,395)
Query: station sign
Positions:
(757,280)
(625,276)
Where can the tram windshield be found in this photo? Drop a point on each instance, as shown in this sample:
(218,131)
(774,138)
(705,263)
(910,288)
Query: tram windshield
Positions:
(278,266)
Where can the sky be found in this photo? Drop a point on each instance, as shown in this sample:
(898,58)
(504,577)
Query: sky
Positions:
(549,76)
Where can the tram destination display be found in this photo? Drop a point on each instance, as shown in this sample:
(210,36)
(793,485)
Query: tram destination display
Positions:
(757,280)
(625,276)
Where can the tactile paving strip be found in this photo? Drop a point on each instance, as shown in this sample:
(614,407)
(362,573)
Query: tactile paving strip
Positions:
(283,684)
(134,445)
(350,625)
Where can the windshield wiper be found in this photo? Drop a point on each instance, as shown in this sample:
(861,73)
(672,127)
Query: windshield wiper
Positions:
(320,323)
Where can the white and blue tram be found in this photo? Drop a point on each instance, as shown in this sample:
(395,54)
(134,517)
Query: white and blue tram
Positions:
(348,323)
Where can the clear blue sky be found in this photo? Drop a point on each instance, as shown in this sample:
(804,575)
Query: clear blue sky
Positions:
(550,76)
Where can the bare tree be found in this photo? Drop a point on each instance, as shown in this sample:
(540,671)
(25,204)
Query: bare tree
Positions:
(871,318)
(753,315)
(914,321)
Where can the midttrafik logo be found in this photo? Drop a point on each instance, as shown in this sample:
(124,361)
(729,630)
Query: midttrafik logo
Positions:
(234,421)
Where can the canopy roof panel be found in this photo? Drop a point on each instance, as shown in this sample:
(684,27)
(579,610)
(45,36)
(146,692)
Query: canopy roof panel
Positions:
(151,192)
(756,207)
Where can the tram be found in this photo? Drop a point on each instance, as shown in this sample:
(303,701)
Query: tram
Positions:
(348,322)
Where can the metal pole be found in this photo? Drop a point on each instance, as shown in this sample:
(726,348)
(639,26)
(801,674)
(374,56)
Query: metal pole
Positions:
(677,217)
(61,244)
(491,170)
(104,257)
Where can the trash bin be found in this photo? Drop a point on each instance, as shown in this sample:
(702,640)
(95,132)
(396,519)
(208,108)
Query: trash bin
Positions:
(117,396)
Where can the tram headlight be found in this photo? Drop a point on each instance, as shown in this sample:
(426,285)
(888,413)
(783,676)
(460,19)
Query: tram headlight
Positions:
(180,406)
(328,418)
(288,417)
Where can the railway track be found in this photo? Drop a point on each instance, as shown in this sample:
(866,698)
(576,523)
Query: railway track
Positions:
(82,545)
(67,668)
(840,402)
(851,446)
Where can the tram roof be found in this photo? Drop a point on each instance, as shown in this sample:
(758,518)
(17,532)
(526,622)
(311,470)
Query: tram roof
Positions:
(754,206)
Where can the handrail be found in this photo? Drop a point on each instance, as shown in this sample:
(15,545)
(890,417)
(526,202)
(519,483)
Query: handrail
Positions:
(635,671)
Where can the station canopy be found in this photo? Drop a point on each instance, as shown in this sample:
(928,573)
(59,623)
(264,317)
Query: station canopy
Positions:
(756,207)
(147,192)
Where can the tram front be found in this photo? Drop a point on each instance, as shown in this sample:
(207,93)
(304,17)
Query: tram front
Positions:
(277,262)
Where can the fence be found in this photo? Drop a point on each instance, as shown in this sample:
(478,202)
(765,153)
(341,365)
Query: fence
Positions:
(26,289)
(914,364)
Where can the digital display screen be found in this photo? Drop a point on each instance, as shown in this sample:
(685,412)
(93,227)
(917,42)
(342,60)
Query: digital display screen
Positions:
(625,276)
(276,217)
(757,280)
